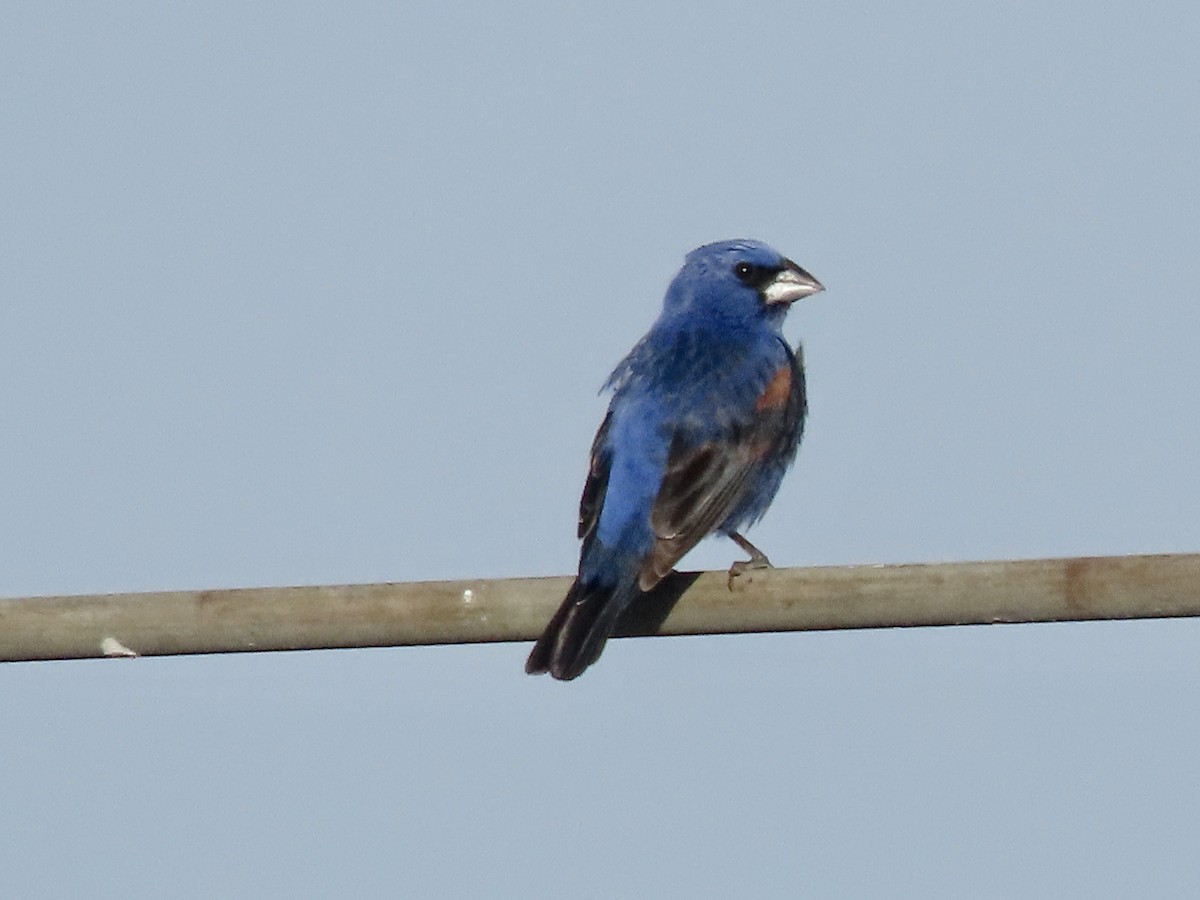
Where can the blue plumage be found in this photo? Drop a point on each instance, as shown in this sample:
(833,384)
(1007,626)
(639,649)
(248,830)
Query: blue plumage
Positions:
(706,416)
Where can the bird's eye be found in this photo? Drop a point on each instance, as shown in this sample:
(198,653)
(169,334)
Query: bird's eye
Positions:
(745,272)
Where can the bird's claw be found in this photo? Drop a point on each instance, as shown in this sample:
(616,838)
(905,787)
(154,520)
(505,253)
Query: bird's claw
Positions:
(744,565)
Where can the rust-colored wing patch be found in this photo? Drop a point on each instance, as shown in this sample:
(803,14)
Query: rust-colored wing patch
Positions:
(778,390)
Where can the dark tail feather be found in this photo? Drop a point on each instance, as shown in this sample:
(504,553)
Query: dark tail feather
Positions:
(575,636)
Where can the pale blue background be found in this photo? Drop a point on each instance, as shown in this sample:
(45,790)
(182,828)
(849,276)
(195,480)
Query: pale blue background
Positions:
(296,293)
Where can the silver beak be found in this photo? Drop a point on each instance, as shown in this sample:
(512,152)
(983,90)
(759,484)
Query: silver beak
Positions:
(791,284)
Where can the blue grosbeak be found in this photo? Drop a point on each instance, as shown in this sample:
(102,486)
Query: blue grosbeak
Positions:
(706,416)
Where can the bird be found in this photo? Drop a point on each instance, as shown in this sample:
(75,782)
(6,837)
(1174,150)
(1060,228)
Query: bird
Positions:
(706,416)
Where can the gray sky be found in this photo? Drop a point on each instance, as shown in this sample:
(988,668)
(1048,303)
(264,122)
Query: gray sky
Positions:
(300,293)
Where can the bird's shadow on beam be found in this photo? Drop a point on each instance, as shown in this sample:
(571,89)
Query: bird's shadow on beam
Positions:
(645,615)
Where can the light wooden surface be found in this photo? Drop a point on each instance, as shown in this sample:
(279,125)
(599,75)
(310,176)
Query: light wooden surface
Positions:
(451,612)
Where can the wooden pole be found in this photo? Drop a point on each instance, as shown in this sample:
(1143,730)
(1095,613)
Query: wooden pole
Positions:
(453,612)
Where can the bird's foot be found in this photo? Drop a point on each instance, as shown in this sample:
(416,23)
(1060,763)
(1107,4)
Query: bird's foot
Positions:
(757,560)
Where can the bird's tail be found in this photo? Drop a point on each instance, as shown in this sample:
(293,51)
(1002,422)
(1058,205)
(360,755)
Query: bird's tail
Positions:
(576,635)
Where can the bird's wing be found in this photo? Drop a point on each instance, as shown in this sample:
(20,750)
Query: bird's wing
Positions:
(704,483)
(597,481)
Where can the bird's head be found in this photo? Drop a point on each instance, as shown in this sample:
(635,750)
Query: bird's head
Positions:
(739,281)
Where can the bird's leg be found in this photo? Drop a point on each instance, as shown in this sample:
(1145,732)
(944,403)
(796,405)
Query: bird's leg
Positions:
(757,560)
